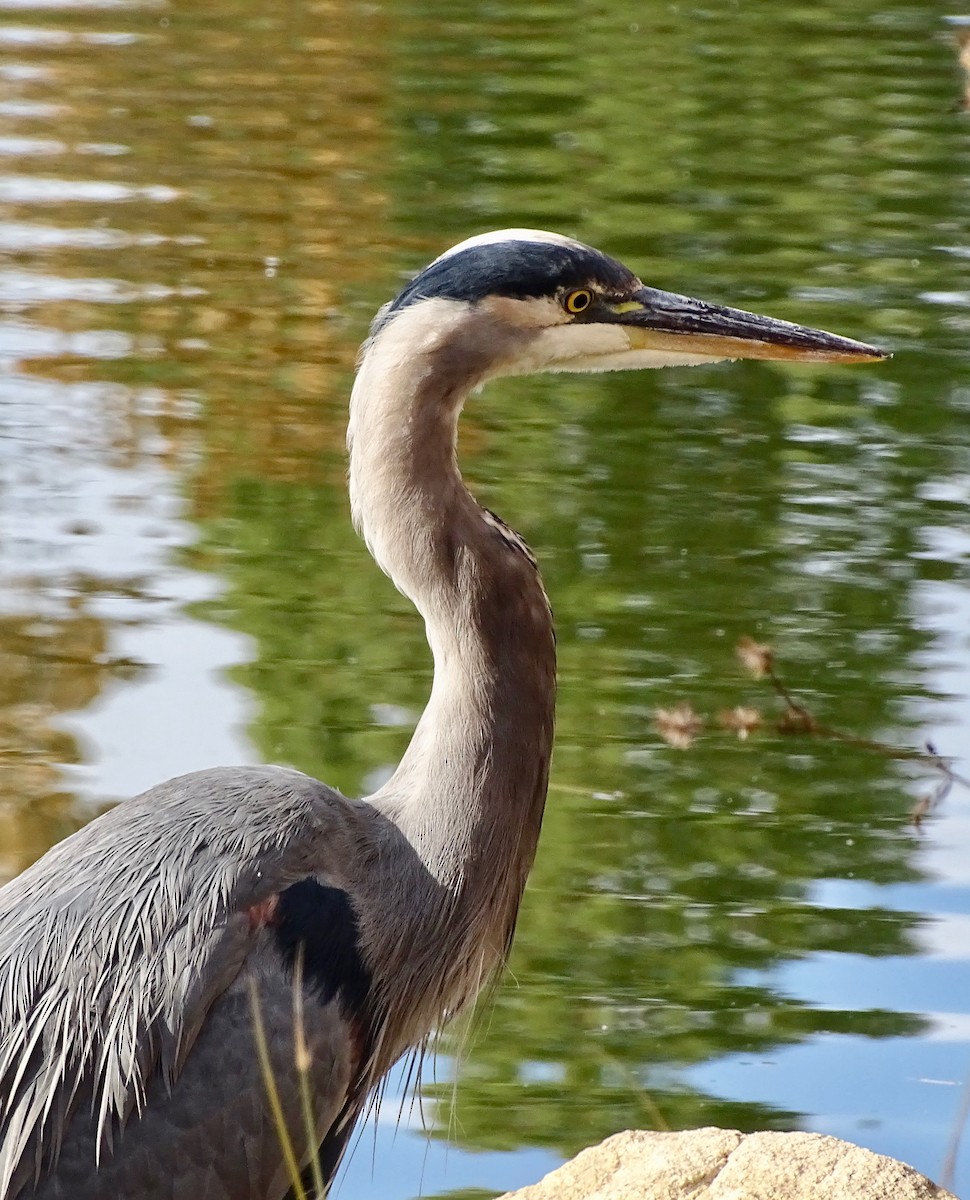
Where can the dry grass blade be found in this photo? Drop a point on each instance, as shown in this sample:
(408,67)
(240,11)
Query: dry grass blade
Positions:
(303,1060)
(644,1098)
(273,1095)
(948,1169)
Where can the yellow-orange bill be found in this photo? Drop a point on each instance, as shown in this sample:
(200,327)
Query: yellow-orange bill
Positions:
(664,321)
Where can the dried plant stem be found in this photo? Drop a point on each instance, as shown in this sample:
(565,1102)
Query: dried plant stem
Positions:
(806,723)
(782,689)
(273,1095)
(758,659)
(303,1063)
(948,1170)
(646,1101)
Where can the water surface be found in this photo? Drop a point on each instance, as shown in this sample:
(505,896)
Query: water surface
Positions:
(200,209)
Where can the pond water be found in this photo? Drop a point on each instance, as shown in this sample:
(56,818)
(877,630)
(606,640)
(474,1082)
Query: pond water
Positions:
(200,208)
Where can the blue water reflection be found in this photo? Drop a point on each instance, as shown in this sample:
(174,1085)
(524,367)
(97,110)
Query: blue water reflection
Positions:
(200,208)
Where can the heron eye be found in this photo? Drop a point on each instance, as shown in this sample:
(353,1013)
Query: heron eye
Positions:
(577,301)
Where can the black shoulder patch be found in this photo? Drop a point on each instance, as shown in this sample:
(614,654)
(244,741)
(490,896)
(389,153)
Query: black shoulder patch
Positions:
(516,268)
(322,921)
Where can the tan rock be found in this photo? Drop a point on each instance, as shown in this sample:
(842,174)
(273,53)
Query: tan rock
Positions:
(722,1164)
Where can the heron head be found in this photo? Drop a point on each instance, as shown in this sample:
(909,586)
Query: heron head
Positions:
(531,301)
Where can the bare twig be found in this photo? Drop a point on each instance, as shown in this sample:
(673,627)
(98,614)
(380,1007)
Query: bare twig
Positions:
(926,804)
(759,659)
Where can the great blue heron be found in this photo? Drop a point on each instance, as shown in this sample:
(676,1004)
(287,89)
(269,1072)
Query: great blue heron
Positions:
(127,953)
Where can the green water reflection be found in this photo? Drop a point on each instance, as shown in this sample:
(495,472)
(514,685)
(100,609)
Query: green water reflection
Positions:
(278,170)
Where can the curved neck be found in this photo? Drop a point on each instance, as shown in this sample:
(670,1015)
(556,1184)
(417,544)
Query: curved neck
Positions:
(469,792)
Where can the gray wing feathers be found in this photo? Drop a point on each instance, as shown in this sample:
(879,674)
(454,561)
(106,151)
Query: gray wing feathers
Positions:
(115,944)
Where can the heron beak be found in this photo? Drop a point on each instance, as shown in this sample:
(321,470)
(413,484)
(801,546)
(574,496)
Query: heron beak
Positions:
(668,323)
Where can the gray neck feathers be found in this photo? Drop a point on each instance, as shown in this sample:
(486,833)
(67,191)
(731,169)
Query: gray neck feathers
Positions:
(468,795)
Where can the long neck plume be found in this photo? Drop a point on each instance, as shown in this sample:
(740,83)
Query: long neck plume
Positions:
(469,792)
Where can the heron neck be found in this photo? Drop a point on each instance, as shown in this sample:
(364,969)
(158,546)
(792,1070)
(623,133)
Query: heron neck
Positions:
(469,792)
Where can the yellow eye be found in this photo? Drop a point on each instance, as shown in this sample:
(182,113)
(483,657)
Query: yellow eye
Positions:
(577,301)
